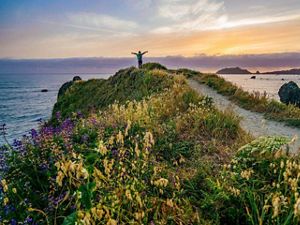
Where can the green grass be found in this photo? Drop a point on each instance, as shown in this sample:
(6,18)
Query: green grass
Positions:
(272,109)
(163,154)
(125,85)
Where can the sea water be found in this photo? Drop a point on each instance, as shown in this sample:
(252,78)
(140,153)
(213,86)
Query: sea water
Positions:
(22,104)
(269,84)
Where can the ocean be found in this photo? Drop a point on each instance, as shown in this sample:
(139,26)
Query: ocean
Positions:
(22,104)
(263,83)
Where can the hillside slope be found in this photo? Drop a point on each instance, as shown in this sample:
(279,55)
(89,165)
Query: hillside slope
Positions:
(162,155)
(127,84)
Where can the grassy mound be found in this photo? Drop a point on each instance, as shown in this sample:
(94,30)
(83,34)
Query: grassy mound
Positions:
(153,66)
(127,84)
(163,155)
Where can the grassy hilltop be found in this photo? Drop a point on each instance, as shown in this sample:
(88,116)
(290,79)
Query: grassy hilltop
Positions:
(143,148)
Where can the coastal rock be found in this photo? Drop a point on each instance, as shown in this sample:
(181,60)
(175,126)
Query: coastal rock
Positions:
(77,78)
(67,85)
(253,77)
(44,90)
(289,93)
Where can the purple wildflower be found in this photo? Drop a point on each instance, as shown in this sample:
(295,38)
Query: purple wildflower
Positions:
(79,114)
(13,222)
(85,138)
(33,133)
(58,115)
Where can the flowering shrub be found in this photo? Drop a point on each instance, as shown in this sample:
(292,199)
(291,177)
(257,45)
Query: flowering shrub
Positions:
(266,182)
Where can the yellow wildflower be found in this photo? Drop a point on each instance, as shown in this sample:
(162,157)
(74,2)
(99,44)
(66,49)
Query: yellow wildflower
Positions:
(102,148)
(128,195)
(4,185)
(297,208)
(139,215)
(162,182)
(111,222)
(276,205)
(5,201)
(59,178)
(247,174)
(170,203)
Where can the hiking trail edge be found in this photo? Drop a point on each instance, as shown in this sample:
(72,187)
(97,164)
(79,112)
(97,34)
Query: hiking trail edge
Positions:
(252,122)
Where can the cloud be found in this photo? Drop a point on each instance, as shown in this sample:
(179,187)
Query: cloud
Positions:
(189,15)
(258,20)
(100,21)
(140,4)
(179,16)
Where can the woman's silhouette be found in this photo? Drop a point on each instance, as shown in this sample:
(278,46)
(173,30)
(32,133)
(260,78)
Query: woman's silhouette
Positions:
(139,56)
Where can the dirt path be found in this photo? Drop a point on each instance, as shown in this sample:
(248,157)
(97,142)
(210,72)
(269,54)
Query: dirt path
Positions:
(252,122)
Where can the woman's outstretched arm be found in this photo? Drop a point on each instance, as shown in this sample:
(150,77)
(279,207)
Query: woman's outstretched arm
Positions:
(133,53)
(144,52)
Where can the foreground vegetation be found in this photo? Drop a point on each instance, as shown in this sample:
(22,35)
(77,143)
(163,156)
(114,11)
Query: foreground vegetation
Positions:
(256,102)
(164,155)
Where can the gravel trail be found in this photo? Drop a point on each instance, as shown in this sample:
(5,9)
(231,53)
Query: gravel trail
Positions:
(252,122)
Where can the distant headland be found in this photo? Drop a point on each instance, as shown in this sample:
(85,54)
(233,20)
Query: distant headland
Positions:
(238,70)
(233,70)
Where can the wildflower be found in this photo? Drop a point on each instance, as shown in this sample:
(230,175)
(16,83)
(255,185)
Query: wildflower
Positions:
(98,174)
(87,219)
(108,166)
(127,128)
(102,148)
(276,205)
(111,222)
(138,199)
(148,140)
(13,222)
(297,208)
(58,115)
(14,190)
(59,178)
(235,191)
(170,203)
(139,215)
(4,185)
(128,195)
(97,213)
(281,164)
(120,138)
(247,174)
(162,182)
(136,149)
(5,201)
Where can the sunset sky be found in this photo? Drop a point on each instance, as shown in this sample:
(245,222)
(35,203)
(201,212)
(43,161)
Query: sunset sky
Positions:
(80,28)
